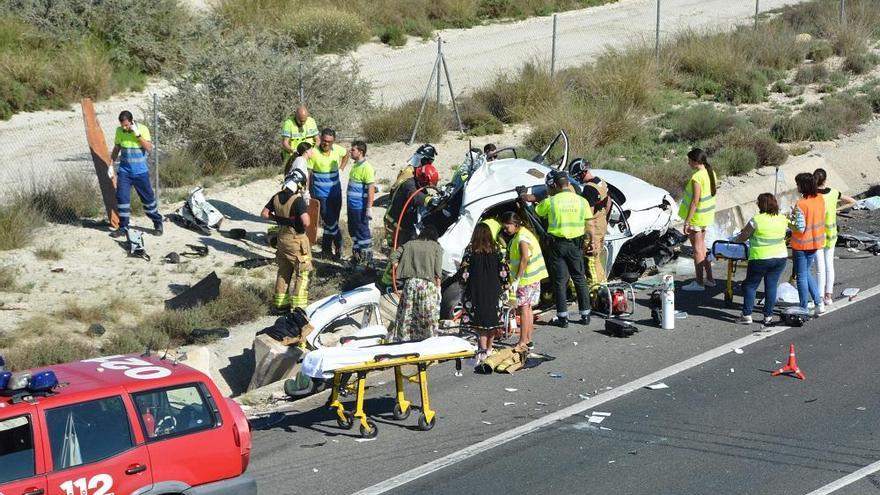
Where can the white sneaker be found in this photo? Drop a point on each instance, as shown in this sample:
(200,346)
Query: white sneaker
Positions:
(767,323)
(744,320)
(693,287)
(709,283)
(820,309)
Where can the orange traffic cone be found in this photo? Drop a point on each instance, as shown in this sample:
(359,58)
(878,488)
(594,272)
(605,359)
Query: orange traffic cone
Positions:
(791,366)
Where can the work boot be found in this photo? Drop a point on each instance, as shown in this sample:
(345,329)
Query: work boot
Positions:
(157,229)
(120,232)
(559,321)
(585,320)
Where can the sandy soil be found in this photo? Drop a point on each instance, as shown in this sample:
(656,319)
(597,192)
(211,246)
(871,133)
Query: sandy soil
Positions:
(36,145)
(97,268)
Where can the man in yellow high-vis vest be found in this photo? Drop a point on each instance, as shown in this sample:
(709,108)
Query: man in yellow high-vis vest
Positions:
(567,214)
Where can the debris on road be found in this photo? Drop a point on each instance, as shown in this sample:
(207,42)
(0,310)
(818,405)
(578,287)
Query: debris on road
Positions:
(508,389)
(657,386)
(554,375)
(485,422)
(510,403)
(738,350)
(850,292)
(861,408)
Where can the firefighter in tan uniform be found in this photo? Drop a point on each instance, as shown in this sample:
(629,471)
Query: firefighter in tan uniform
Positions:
(595,191)
(294,254)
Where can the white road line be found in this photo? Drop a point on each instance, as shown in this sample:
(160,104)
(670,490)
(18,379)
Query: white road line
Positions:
(847,480)
(592,402)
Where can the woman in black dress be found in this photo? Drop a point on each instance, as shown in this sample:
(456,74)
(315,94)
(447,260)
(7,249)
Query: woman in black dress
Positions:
(486,285)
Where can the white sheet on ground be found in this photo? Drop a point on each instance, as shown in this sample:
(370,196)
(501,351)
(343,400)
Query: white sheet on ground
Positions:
(322,362)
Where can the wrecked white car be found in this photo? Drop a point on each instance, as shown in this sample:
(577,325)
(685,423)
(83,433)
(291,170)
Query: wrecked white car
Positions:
(639,236)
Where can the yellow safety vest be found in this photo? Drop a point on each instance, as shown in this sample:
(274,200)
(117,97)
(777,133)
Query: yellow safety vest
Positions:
(297,134)
(536,270)
(704,216)
(831,198)
(768,239)
(567,214)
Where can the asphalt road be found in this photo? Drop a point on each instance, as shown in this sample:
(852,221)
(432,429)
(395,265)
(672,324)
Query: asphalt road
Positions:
(712,430)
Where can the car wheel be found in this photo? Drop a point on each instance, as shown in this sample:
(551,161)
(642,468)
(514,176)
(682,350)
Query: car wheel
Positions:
(449,300)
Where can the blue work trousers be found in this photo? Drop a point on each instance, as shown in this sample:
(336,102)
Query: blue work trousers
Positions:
(768,270)
(141,184)
(361,236)
(331,206)
(806,283)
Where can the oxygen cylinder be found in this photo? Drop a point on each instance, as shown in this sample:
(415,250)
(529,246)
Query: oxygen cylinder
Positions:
(668,308)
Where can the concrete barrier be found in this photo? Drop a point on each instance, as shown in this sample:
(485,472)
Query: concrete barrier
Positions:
(273,361)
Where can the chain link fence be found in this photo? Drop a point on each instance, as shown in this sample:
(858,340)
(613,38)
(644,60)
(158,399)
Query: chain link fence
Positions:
(46,153)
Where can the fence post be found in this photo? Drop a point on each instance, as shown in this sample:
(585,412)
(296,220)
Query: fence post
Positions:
(843,12)
(156,139)
(657,35)
(439,56)
(553,49)
(757,9)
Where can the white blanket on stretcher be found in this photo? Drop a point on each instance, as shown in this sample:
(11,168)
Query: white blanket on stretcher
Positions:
(322,362)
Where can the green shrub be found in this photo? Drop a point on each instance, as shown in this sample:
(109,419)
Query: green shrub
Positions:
(699,122)
(50,253)
(393,35)
(179,169)
(71,198)
(623,79)
(396,124)
(873,98)
(781,87)
(820,50)
(126,342)
(229,106)
(860,63)
(328,29)
(238,303)
(481,123)
(734,161)
(18,220)
(766,150)
(513,98)
(48,351)
(791,129)
(835,115)
(812,73)
(8,278)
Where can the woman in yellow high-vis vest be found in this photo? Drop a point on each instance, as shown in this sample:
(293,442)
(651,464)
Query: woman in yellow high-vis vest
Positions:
(697,209)
(767,257)
(825,256)
(527,269)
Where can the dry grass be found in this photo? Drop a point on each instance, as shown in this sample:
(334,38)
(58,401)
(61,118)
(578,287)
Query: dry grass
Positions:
(18,220)
(56,349)
(396,124)
(8,278)
(51,253)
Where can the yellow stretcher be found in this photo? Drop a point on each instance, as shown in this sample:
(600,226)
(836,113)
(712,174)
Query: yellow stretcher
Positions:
(346,419)
(736,254)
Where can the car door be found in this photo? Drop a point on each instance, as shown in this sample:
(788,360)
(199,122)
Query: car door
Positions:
(21,462)
(93,450)
(178,420)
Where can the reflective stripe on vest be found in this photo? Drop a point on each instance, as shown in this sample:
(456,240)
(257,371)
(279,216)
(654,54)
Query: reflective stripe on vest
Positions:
(831,199)
(813,236)
(359,180)
(132,156)
(768,239)
(536,270)
(705,212)
(568,215)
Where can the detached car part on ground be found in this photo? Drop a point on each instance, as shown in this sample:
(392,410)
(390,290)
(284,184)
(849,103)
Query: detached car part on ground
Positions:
(639,236)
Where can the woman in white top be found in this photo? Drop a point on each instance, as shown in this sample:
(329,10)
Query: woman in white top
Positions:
(825,256)
(300,161)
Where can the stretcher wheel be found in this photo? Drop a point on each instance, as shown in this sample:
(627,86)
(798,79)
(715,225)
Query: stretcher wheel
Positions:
(348,423)
(372,432)
(400,415)
(424,425)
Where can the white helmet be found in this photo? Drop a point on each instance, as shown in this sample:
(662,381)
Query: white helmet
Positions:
(295,181)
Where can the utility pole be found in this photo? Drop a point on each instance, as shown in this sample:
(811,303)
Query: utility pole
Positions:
(657,37)
(439,61)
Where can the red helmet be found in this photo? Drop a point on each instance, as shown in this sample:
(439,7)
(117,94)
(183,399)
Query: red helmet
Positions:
(427,175)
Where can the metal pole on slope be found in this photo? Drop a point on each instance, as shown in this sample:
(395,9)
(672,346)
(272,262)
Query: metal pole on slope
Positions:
(439,57)
(425,100)
(156,139)
(553,49)
(757,9)
(451,94)
(843,12)
(657,35)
